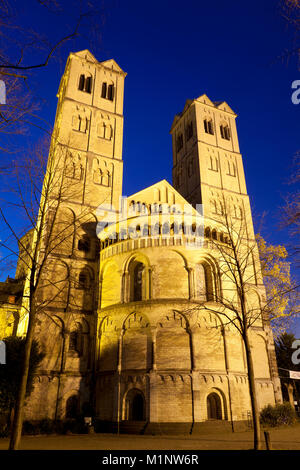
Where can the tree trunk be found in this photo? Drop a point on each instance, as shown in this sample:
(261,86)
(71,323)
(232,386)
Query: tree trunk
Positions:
(18,416)
(253,396)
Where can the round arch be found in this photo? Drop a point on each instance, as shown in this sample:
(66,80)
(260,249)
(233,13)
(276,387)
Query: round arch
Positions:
(136,278)
(134,405)
(212,277)
(215,403)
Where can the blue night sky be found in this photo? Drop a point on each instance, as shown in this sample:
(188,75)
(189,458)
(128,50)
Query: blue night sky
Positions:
(174,50)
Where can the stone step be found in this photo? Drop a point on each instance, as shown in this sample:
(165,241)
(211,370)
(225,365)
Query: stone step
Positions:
(143,427)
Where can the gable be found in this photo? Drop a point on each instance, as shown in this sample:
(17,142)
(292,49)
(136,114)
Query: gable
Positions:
(159,193)
(86,55)
(223,106)
(205,100)
(112,64)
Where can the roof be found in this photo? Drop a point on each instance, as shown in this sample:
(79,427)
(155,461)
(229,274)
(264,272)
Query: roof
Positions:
(221,105)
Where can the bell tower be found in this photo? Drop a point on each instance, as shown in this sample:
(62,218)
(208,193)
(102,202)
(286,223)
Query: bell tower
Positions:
(207,164)
(89,125)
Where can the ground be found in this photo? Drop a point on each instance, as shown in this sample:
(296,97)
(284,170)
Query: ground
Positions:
(282,438)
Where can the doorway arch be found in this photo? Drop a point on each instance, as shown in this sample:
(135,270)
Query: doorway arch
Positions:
(135,406)
(214,406)
(72,407)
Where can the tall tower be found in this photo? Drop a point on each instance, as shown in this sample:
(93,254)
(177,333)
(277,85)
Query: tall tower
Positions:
(89,123)
(208,170)
(207,164)
(86,153)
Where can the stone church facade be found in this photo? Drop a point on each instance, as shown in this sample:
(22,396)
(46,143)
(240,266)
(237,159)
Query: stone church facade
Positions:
(134,337)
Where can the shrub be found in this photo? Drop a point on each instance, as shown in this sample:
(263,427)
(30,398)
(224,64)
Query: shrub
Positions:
(48,426)
(280,414)
(30,428)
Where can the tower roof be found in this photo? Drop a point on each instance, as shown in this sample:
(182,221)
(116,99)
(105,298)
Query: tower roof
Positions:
(110,63)
(221,105)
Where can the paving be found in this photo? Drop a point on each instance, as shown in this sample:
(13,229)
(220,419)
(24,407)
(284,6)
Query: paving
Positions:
(283,438)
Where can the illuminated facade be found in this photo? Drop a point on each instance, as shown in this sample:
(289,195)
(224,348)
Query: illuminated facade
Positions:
(132,337)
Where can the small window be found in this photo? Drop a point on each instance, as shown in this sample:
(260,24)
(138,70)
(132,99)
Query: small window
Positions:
(208,126)
(85,83)
(104,88)
(84,244)
(81,83)
(88,84)
(225,132)
(138,282)
(107,92)
(207,232)
(110,94)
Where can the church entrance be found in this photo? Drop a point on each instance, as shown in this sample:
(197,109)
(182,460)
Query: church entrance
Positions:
(135,406)
(214,406)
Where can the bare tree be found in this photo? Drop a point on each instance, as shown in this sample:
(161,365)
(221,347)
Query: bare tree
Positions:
(241,278)
(290,212)
(39,194)
(290,11)
(25,51)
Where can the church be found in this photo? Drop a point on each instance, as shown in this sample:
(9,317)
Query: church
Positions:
(133,322)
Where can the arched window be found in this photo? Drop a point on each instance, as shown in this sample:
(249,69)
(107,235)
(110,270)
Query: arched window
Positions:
(214,406)
(200,283)
(104,90)
(135,406)
(81,82)
(175,228)
(138,277)
(208,126)
(84,244)
(225,131)
(110,94)
(107,92)
(85,83)
(204,284)
(132,208)
(73,341)
(166,229)
(76,340)
(214,234)
(88,85)
(145,230)
(156,229)
(138,282)
(207,232)
(209,283)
